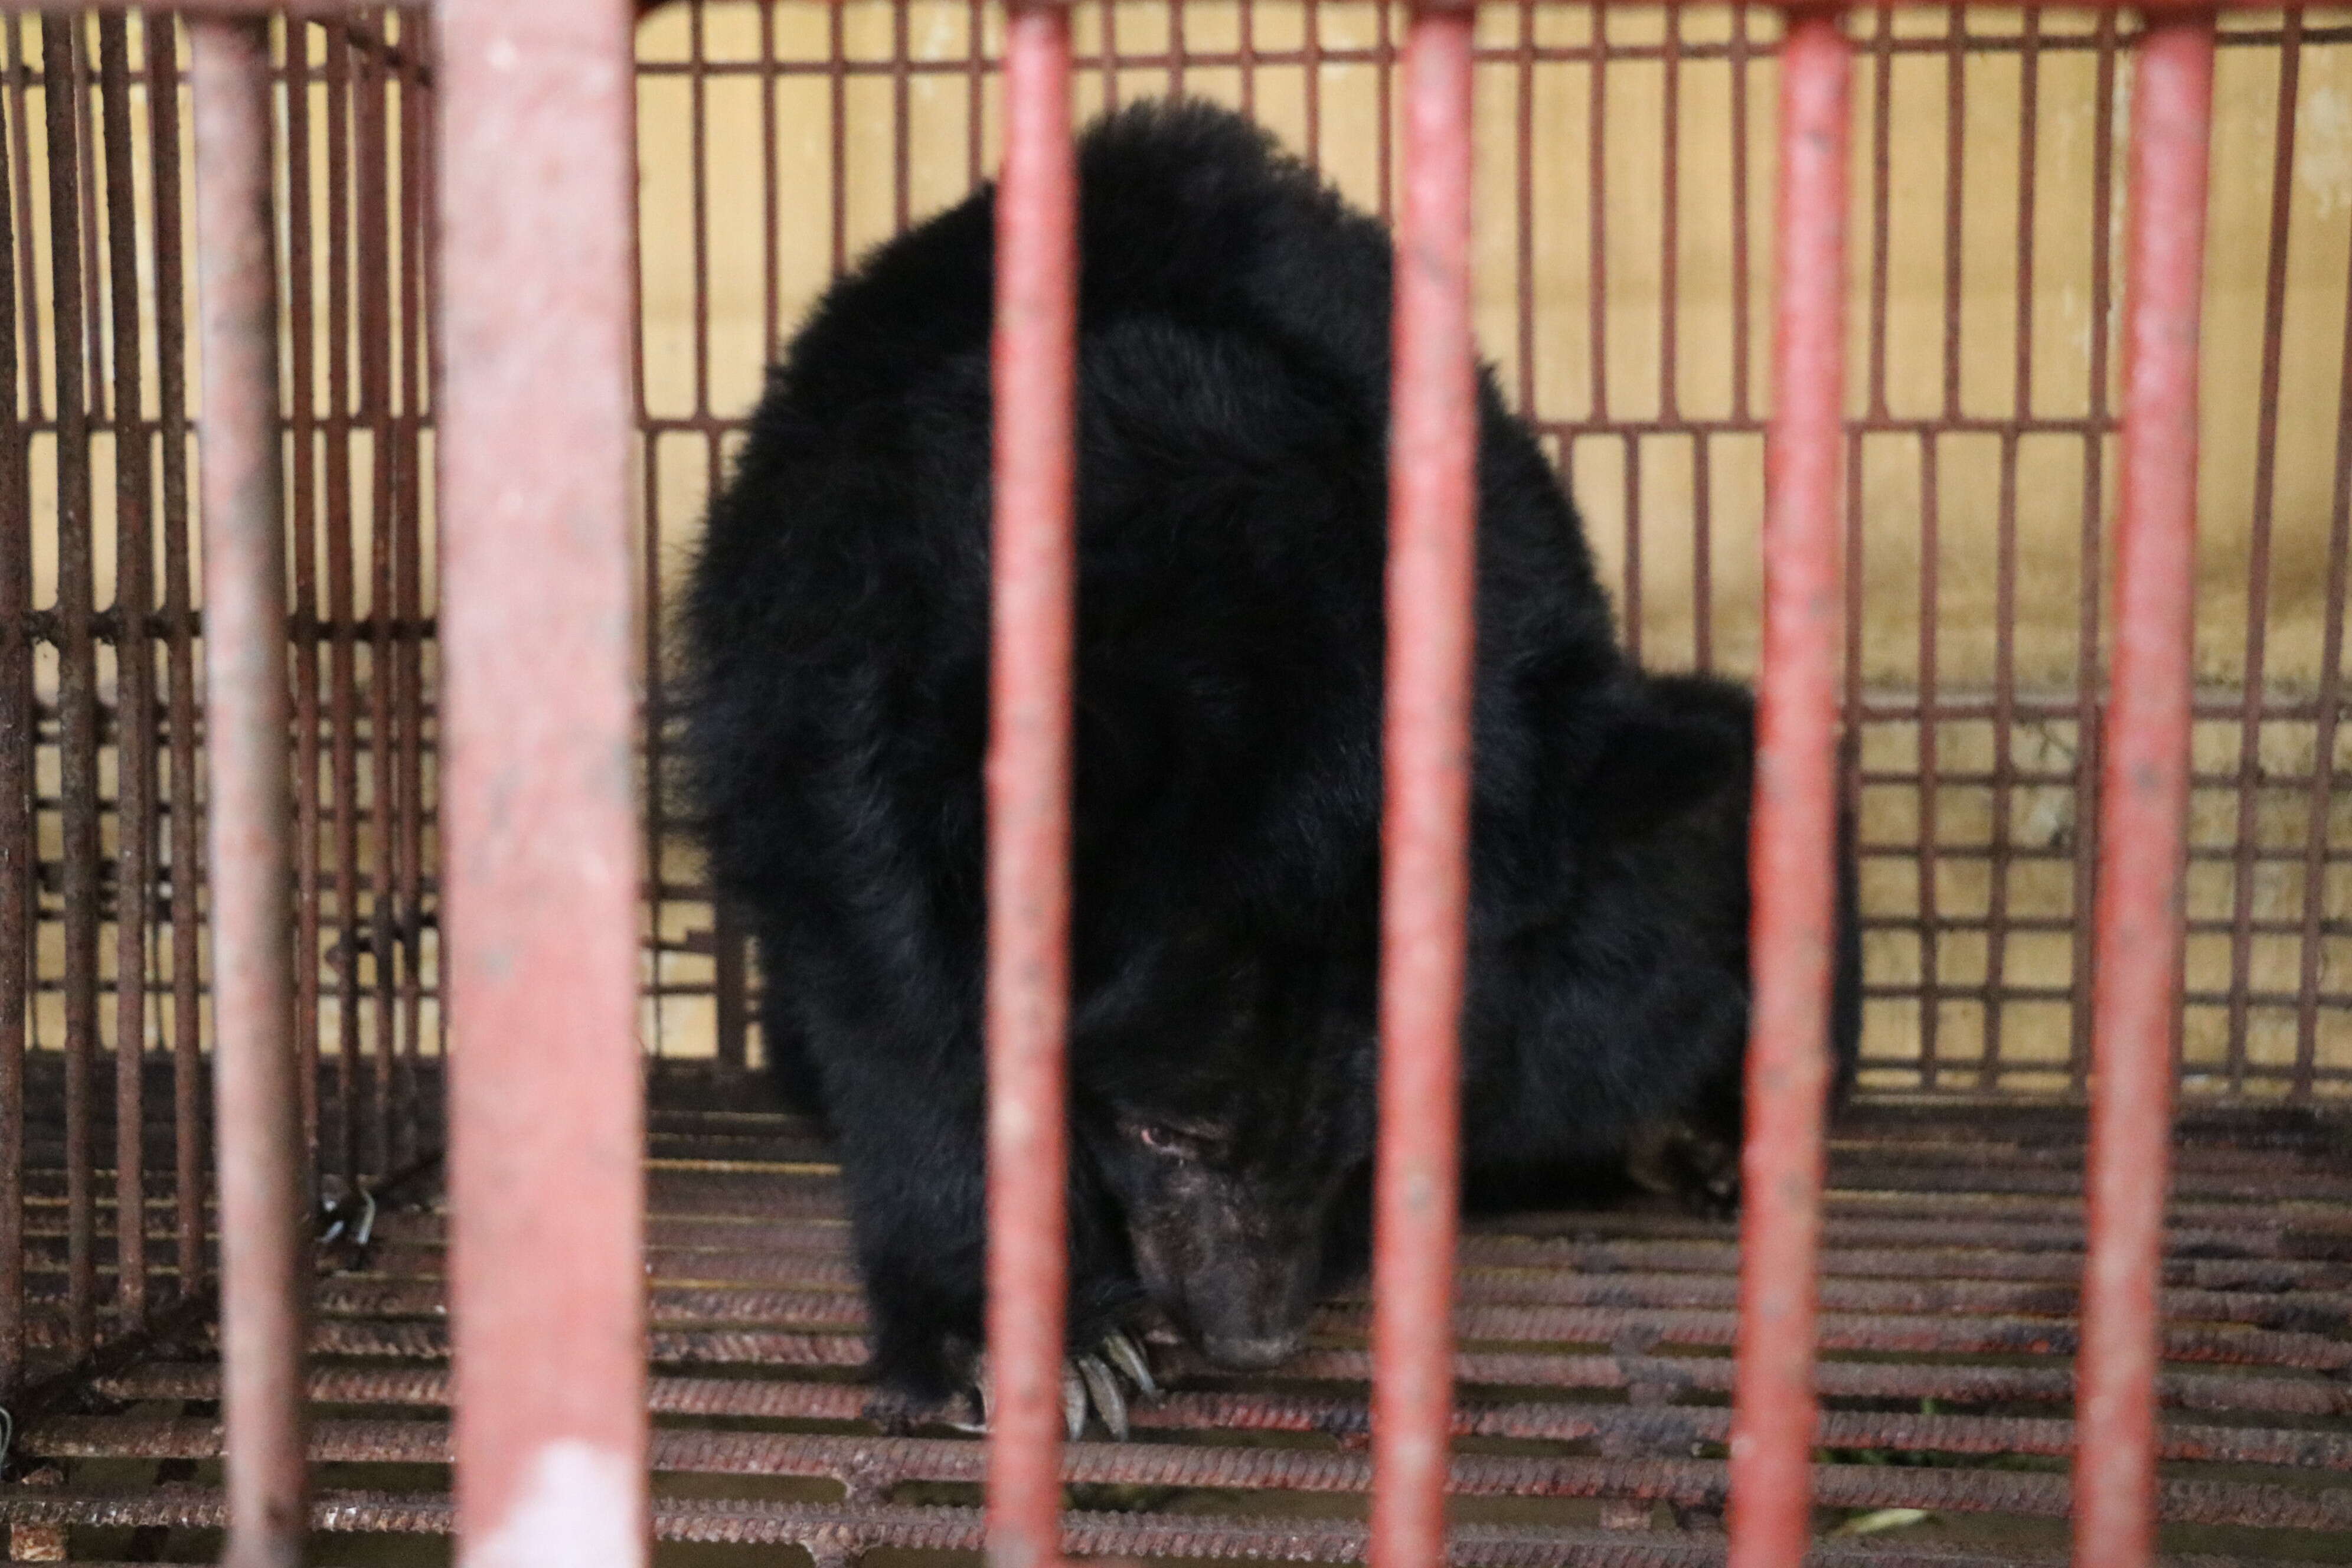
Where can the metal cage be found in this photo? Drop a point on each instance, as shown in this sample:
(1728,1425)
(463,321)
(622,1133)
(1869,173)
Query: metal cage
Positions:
(1870,340)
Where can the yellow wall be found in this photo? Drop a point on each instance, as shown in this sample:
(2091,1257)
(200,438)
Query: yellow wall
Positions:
(2046,472)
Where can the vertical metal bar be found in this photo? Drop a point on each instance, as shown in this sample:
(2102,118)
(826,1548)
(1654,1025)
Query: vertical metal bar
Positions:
(657,705)
(1739,273)
(1630,605)
(1702,553)
(2090,557)
(1931,718)
(2323,769)
(303,427)
(649,475)
(837,141)
(408,575)
(1703,582)
(429,240)
(1596,216)
(343,651)
(264,1252)
(536,102)
(18,853)
(1930,697)
(1249,56)
(1881,183)
(1108,62)
(772,287)
(93,312)
(134,669)
(1956,118)
(975,94)
(188,821)
(2143,801)
(20,149)
(78,674)
(1670,131)
(1424,831)
(2004,667)
(1523,206)
(1310,21)
(1792,860)
(1384,90)
(372,153)
(1028,785)
(900,132)
(2257,550)
(1177,52)
(1882,177)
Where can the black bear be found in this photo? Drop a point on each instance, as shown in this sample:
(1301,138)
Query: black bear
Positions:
(1233,373)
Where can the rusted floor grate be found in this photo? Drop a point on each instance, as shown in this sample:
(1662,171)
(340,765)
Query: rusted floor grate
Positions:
(1595,1369)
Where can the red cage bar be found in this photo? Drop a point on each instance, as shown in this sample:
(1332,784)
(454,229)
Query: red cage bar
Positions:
(2143,802)
(539,854)
(1791,856)
(1425,822)
(265,1265)
(1034,570)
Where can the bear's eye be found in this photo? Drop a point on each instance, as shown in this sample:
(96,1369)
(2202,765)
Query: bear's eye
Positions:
(1162,1139)
(1175,1141)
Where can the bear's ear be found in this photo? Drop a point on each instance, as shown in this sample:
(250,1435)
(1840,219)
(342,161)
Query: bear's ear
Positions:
(1659,760)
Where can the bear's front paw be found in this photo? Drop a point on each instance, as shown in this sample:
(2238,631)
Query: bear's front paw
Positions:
(1096,1381)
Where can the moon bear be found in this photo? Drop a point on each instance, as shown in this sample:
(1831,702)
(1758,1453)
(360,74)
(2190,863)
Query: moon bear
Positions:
(1232,416)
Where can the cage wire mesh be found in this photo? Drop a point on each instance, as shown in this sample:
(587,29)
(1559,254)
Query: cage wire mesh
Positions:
(1625,161)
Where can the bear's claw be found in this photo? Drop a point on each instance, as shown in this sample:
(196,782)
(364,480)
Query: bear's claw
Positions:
(1090,1383)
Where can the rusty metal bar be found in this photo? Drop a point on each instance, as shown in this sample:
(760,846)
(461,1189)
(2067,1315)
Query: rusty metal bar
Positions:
(841,1531)
(342,610)
(837,138)
(1424,892)
(2222,1393)
(371,150)
(657,704)
(540,849)
(1523,202)
(342,656)
(2144,800)
(2092,555)
(1028,784)
(302,355)
(1793,923)
(2324,767)
(765,1399)
(1998,922)
(188,821)
(84,98)
(19,850)
(2252,674)
(872,1465)
(134,669)
(264,1258)
(408,573)
(1982,1317)
(1669,239)
(78,672)
(20,75)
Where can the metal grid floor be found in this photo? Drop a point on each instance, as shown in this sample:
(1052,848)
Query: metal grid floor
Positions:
(1595,1370)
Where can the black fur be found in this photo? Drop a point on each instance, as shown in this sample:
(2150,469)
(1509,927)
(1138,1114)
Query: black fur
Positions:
(1232,368)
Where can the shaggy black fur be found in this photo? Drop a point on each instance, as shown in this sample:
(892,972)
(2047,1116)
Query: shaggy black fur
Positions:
(1232,368)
